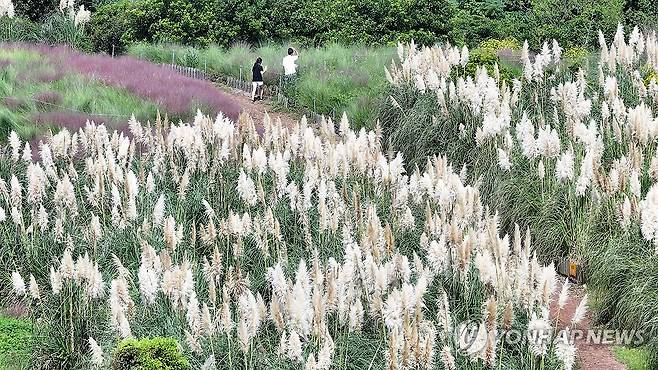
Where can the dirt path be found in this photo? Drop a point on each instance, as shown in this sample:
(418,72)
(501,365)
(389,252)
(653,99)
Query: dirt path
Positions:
(258,109)
(590,356)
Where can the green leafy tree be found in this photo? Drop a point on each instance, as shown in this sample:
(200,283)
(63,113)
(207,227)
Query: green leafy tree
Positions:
(35,10)
(575,22)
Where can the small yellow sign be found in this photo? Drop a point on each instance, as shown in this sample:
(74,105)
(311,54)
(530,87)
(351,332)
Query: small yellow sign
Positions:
(573,268)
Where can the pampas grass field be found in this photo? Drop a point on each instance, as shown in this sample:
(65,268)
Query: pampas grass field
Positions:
(568,152)
(294,247)
(416,226)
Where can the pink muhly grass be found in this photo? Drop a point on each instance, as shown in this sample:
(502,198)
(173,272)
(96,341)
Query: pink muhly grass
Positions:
(71,120)
(13,103)
(178,94)
(48,97)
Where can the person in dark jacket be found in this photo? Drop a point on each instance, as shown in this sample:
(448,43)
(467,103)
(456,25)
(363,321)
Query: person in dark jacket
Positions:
(257,79)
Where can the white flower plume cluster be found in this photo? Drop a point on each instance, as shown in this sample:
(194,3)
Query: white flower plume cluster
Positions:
(7,8)
(205,209)
(65,5)
(596,138)
(82,16)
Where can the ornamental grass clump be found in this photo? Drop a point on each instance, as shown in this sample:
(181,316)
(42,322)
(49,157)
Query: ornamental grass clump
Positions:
(295,247)
(569,152)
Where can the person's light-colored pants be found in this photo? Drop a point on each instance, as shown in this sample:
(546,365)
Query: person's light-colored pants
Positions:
(254,87)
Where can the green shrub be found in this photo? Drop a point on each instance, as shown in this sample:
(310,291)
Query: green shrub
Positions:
(497,45)
(648,73)
(576,57)
(149,354)
(488,57)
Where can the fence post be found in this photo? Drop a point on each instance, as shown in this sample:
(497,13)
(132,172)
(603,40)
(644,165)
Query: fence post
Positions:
(173,59)
(112,50)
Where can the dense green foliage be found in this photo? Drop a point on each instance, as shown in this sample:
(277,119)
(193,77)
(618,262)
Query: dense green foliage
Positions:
(315,22)
(310,22)
(15,343)
(149,354)
(35,10)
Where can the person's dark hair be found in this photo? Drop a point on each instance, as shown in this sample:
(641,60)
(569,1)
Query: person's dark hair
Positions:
(259,60)
(290,51)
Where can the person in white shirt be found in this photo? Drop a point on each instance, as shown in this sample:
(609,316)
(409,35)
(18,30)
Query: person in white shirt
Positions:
(289,64)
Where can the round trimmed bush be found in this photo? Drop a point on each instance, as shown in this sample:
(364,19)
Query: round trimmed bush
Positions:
(149,354)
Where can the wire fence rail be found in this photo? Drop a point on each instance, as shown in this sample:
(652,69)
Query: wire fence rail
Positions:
(273,92)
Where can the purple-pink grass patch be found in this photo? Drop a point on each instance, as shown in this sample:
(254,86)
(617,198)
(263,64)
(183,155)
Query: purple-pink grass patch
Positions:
(13,102)
(178,94)
(50,76)
(48,98)
(73,121)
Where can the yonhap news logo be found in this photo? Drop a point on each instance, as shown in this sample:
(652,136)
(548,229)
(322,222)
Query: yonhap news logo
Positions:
(472,336)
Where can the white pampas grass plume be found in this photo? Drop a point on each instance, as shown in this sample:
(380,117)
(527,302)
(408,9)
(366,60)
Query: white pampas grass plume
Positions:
(324,356)
(16,194)
(55,281)
(209,211)
(247,189)
(564,166)
(243,335)
(150,183)
(225,315)
(82,17)
(649,214)
(565,351)
(503,160)
(310,362)
(294,347)
(170,235)
(96,353)
(463,58)
(15,143)
(134,126)
(282,350)
(209,364)
(67,267)
(193,343)
(447,359)
(18,283)
(539,335)
(27,152)
(158,210)
(564,294)
(34,288)
(7,8)
(579,314)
